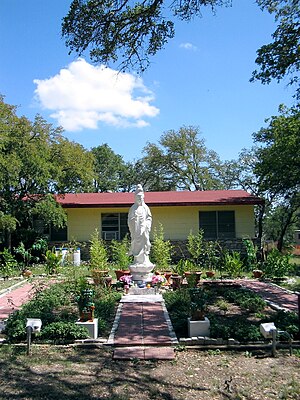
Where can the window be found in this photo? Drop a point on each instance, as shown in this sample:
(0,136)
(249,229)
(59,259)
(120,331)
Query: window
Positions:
(217,224)
(50,232)
(114,226)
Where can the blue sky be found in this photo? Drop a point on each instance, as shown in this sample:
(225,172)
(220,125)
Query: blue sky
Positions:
(201,78)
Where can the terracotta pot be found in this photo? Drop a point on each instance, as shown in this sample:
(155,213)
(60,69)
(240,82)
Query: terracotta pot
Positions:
(176,281)
(168,275)
(257,273)
(192,278)
(26,273)
(121,272)
(107,280)
(99,276)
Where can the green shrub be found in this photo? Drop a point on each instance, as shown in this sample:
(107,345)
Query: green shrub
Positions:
(251,250)
(276,265)
(161,249)
(63,332)
(105,307)
(233,264)
(119,253)
(98,252)
(8,264)
(178,306)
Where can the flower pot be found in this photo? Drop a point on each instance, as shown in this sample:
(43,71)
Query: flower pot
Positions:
(26,273)
(176,281)
(121,272)
(210,274)
(168,275)
(257,273)
(99,276)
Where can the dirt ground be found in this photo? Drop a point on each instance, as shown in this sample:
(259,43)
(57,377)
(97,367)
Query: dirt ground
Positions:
(67,373)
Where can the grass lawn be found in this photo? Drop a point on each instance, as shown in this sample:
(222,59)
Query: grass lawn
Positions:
(66,372)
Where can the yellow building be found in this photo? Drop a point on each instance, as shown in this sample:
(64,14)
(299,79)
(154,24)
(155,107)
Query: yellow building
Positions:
(222,214)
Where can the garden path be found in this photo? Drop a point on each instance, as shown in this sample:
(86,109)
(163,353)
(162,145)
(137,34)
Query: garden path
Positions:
(142,329)
(274,294)
(12,300)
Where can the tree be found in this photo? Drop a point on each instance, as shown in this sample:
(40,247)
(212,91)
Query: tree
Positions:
(282,56)
(184,162)
(278,165)
(131,32)
(36,160)
(278,159)
(109,169)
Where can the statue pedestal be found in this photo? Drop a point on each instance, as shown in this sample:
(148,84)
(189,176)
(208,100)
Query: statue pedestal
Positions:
(141,272)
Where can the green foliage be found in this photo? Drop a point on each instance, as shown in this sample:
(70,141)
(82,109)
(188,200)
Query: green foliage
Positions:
(119,253)
(286,321)
(178,306)
(276,265)
(35,161)
(195,246)
(98,252)
(44,306)
(198,300)
(161,249)
(251,250)
(58,304)
(106,301)
(233,264)
(24,253)
(53,262)
(109,168)
(63,332)
(280,58)
(8,263)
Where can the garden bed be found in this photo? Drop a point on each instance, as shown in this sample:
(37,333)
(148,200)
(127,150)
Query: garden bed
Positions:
(235,314)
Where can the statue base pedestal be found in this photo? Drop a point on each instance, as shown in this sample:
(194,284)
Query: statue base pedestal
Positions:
(141,273)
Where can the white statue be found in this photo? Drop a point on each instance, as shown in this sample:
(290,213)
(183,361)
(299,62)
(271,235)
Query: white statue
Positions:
(139,223)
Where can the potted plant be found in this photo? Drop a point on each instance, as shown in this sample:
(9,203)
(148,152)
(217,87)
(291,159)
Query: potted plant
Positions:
(120,259)
(98,259)
(86,305)
(192,273)
(198,323)
(257,273)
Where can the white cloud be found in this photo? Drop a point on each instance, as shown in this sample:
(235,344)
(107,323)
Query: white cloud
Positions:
(188,46)
(82,95)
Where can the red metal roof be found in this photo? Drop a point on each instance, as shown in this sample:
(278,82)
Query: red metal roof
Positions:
(183,198)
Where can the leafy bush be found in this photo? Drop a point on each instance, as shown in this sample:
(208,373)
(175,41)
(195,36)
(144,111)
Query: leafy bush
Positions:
(119,253)
(276,265)
(105,307)
(178,306)
(233,264)
(286,321)
(161,249)
(64,332)
(251,250)
(98,252)
(8,263)
(53,262)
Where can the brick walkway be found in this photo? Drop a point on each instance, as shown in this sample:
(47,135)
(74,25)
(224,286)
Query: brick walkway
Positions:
(143,330)
(272,293)
(12,301)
